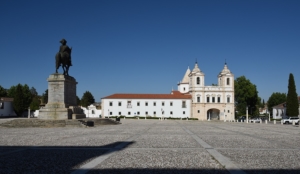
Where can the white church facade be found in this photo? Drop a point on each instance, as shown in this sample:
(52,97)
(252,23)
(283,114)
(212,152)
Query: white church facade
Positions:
(193,99)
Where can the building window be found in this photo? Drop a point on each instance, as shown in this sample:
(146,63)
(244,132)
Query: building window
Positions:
(228,81)
(171,103)
(154,113)
(120,113)
(171,112)
(198,111)
(183,104)
(198,99)
(154,103)
(198,80)
(110,103)
(163,103)
(120,103)
(213,99)
(93,112)
(138,113)
(110,113)
(183,112)
(129,104)
(228,99)
(146,112)
(219,99)
(138,103)
(183,89)
(1,105)
(228,111)
(146,103)
(207,99)
(129,113)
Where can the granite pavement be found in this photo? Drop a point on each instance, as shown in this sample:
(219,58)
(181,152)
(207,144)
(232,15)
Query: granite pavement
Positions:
(152,146)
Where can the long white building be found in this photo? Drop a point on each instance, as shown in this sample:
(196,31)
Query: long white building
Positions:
(193,99)
(154,105)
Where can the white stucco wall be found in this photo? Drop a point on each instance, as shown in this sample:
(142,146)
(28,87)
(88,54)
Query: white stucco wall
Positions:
(183,88)
(278,113)
(176,109)
(91,112)
(7,109)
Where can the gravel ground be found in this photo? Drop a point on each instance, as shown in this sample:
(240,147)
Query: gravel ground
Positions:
(261,161)
(161,159)
(152,146)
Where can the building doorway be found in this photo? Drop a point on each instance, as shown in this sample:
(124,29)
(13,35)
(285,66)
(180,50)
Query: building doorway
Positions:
(213,114)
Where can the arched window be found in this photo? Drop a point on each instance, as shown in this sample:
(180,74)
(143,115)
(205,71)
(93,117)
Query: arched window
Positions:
(198,80)
(228,81)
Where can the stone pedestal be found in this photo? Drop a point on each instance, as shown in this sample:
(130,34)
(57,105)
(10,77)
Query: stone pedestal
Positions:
(62,103)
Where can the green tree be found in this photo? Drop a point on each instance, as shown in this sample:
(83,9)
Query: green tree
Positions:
(275,99)
(3,92)
(19,102)
(27,95)
(87,99)
(35,104)
(292,105)
(11,91)
(245,94)
(33,92)
(45,97)
(259,103)
(78,100)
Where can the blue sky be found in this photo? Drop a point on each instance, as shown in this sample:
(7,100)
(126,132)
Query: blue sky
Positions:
(145,46)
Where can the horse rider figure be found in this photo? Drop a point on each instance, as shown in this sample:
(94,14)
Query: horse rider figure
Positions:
(63,56)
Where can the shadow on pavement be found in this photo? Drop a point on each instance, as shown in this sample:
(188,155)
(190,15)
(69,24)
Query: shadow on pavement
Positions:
(189,171)
(52,159)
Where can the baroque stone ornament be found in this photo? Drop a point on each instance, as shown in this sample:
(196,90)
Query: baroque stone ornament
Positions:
(63,57)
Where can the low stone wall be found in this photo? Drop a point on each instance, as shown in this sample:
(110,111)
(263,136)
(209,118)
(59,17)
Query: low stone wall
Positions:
(23,123)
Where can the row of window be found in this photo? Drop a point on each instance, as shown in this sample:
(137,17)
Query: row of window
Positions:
(154,113)
(224,111)
(213,100)
(146,113)
(146,104)
(227,81)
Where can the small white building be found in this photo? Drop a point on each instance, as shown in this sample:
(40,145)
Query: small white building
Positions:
(91,112)
(6,107)
(279,111)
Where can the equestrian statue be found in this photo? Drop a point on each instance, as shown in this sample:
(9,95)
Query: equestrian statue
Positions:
(63,57)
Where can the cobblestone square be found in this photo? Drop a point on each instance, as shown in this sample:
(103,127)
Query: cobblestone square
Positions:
(152,146)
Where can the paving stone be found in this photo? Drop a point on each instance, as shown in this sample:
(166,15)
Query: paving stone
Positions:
(152,146)
(169,160)
(265,161)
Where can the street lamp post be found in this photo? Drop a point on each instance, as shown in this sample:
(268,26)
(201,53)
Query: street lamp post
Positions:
(87,108)
(247,113)
(28,112)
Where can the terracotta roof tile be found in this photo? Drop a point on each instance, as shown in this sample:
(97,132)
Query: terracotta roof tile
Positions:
(175,95)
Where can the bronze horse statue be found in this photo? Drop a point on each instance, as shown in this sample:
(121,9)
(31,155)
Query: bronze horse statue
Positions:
(63,59)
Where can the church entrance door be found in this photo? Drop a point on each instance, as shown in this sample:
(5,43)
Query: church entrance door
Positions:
(213,114)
